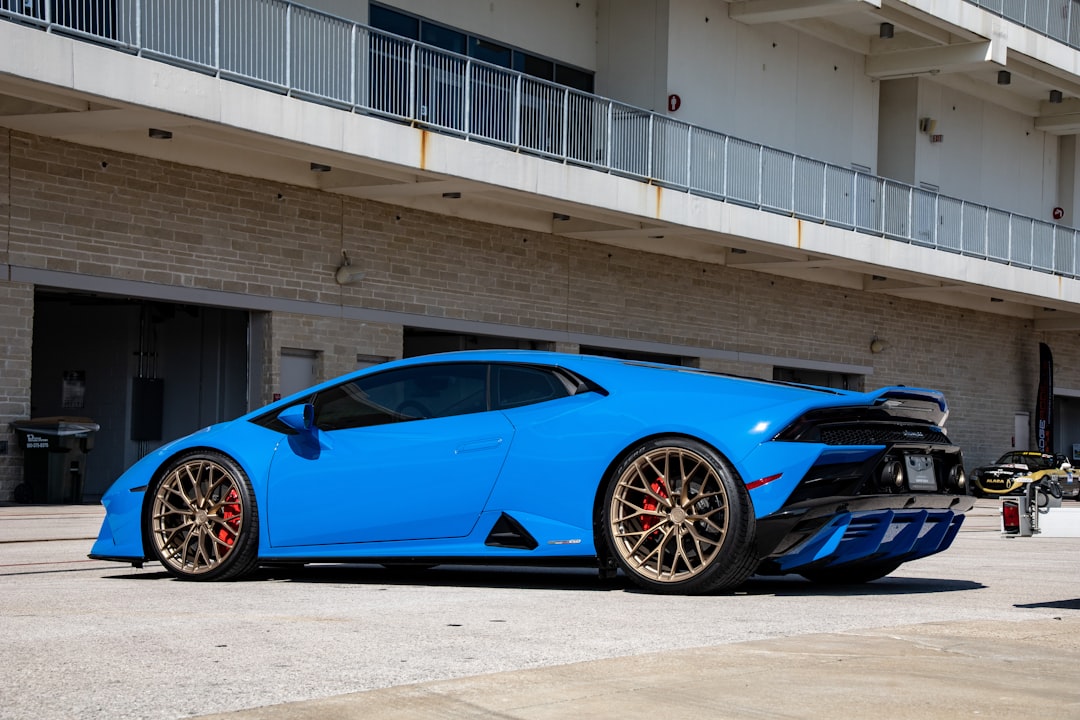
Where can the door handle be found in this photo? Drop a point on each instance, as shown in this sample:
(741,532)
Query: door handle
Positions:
(482,444)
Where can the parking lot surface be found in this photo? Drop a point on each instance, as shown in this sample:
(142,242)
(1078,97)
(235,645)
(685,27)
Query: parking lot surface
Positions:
(990,628)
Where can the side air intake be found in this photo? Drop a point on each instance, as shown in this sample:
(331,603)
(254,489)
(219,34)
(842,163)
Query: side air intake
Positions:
(509,533)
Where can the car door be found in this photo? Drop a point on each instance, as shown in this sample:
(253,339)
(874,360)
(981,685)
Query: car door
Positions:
(408,454)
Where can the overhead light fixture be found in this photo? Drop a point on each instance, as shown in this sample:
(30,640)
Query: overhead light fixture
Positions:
(1056,97)
(1004,77)
(878,345)
(738,251)
(319,167)
(452,195)
(159,134)
(885,30)
(560,216)
(994,299)
(344,273)
(878,278)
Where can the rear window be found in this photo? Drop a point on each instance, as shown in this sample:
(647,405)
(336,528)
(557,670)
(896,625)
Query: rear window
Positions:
(517,385)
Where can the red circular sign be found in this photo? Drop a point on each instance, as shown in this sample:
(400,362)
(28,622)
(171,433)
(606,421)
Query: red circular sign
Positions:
(674,102)
(1059,213)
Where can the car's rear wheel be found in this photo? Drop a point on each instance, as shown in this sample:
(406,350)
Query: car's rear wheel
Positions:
(202,522)
(678,519)
(855,575)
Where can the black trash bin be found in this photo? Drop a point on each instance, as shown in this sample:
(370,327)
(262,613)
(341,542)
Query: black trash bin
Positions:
(54,458)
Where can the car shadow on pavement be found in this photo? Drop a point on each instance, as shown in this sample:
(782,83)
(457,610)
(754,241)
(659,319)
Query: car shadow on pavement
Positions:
(797,586)
(500,577)
(544,578)
(1073,604)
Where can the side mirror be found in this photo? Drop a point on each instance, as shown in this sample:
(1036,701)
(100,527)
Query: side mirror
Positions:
(299,417)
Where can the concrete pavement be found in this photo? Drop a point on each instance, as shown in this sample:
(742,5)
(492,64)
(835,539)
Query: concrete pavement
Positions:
(978,668)
(1023,670)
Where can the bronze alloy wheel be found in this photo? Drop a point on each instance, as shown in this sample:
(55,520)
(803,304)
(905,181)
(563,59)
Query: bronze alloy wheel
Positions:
(678,519)
(202,519)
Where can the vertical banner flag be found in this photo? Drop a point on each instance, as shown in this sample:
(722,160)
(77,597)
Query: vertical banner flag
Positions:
(1044,403)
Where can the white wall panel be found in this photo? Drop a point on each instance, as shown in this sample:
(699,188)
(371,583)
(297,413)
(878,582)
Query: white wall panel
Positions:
(899,115)
(632,53)
(564,30)
(770,84)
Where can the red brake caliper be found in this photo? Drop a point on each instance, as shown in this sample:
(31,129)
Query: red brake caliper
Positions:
(650,503)
(231,515)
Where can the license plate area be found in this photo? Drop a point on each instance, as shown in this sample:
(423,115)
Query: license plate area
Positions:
(920,473)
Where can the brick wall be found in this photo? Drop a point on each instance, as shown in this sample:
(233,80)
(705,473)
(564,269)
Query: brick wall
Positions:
(16,340)
(102,213)
(16,331)
(5,194)
(335,341)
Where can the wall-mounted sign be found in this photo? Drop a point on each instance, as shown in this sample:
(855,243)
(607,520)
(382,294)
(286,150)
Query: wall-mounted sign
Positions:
(73,391)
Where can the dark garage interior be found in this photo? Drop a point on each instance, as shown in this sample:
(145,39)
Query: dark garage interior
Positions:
(143,371)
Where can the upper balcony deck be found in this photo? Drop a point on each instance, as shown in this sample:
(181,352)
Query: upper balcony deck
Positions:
(299,53)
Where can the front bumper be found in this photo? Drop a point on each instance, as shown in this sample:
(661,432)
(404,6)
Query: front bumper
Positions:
(120,537)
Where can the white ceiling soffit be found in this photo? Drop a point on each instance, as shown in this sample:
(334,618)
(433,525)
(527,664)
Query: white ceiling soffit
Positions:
(756,12)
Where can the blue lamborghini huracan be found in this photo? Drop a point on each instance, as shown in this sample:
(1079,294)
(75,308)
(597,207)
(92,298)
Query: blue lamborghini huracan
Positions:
(685,480)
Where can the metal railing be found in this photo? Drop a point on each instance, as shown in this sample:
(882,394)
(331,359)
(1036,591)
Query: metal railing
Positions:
(288,48)
(1057,19)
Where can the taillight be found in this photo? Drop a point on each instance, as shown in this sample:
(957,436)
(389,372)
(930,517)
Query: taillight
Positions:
(1010,517)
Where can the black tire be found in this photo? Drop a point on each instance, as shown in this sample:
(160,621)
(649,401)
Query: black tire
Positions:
(854,575)
(678,519)
(201,520)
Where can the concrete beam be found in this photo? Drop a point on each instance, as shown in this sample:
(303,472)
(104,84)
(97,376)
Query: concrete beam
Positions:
(960,57)
(71,124)
(1060,321)
(1059,124)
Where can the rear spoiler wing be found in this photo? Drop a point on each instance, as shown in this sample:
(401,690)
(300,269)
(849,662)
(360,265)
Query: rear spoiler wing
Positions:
(914,403)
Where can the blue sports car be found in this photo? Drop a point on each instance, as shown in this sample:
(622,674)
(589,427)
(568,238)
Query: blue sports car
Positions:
(687,481)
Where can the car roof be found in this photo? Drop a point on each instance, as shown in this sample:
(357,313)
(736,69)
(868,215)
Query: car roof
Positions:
(618,375)
(607,371)
(587,364)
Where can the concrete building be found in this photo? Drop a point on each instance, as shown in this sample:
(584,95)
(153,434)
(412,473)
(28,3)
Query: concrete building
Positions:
(205,204)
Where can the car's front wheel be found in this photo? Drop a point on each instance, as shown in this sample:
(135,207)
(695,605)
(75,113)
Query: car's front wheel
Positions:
(202,522)
(678,519)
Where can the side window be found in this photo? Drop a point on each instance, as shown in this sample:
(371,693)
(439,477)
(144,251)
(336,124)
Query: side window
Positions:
(516,385)
(349,406)
(407,394)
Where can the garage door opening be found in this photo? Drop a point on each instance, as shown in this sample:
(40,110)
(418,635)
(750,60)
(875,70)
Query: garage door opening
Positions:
(634,355)
(144,371)
(821,378)
(418,341)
